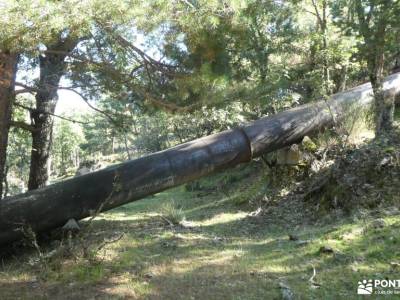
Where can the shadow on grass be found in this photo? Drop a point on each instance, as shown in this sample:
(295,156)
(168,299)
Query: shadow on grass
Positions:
(155,261)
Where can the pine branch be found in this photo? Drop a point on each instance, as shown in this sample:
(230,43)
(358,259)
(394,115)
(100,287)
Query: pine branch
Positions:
(51,114)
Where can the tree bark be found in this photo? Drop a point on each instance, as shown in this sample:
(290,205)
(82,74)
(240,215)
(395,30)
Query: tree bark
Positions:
(80,197)
(52,68)
(8,71)
(6,187)
(383,106)
(374,33)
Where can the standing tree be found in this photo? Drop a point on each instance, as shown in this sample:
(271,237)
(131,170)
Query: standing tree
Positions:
(65,24)
(52,67)
(28,27)
(8,70)
(377,24)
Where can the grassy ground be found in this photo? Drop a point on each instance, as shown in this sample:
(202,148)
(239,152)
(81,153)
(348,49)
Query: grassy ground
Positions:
(222,251)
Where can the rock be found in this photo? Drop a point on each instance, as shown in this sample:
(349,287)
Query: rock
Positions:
(72,225)
(378,223)
(289,156)
(326,250)
(286,292)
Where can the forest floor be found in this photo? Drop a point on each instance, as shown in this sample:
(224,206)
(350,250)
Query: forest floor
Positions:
(229,241)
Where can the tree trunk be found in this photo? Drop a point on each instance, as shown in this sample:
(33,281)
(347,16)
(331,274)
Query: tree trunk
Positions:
(8,71)
(6,187)
(79,197)
(126,146)
(52,68)
(384,109)
(325,43)
(383,106)
(342,84)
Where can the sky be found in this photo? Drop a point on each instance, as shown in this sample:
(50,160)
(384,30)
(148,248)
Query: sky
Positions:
(69,102)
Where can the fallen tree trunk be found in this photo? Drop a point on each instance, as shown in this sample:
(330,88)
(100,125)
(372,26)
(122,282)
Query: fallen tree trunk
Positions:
(80,197)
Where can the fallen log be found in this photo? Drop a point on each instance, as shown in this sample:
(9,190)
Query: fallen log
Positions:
(80,197)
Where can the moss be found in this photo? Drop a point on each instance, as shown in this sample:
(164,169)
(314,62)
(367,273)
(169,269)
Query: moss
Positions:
(309,145)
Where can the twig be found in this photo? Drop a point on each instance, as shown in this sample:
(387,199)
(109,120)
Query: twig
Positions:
(112,241)
(148,60)
(86,100)
(313,275)
(189,4)
(314,284)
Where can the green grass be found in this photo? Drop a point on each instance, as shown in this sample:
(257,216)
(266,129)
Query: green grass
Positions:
(221,252)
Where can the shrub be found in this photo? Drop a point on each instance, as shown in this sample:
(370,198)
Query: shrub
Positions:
(170,213)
